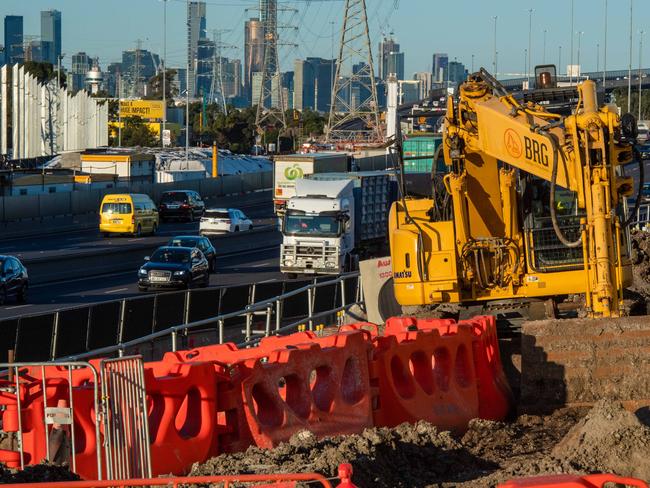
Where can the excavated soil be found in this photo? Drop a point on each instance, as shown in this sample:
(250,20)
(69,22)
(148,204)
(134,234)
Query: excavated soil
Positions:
(641,262)
(38,473)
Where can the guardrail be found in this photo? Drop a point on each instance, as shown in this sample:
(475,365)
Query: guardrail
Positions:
(642,217)
(152,324)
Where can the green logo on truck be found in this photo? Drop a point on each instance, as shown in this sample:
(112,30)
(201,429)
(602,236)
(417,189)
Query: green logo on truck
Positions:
(293,172)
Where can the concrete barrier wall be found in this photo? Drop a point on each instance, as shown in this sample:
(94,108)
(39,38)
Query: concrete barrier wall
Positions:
(13,208)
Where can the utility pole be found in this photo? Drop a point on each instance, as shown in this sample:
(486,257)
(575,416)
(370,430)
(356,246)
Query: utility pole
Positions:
(597,57)
(544,49)
(559,60)
(187,94)
(579,69)
(472,63)
(530,43)
(629,67)
(355,45)
(526,64)
(135,91)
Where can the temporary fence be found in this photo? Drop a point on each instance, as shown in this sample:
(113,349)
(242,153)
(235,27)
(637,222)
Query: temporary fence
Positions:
(151,324)
(208,400)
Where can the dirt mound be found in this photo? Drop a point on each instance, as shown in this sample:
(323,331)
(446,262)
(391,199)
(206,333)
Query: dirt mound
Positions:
(37,473)
(417,455)
(608,439)
(641,261)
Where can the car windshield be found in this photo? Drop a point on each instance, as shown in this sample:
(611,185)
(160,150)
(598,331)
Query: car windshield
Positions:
(116,208)
(171,256)
(174,197)
(326,226)
(183,242)
(217,214)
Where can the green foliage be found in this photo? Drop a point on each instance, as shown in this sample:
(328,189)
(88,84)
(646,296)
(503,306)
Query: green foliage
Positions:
(619,96)
(155,86)
(137,133)
(43,72)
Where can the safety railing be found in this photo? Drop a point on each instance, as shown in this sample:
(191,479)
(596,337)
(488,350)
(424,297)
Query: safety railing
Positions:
(76,331)
(642,217)
(271,308)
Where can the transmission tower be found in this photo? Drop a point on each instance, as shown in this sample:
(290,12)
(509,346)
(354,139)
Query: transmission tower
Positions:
(217,89)
(267,113)
(354,97)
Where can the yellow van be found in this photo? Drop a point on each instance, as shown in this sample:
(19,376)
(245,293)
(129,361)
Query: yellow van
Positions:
(128,213)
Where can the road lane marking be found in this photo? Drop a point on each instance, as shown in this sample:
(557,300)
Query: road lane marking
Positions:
(260,265)
(115,291)
(19,306)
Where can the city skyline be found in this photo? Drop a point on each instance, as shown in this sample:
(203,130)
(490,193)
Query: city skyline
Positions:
(117,32)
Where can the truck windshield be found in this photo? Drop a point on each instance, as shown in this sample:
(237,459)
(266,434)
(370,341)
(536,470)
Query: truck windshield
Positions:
(315,225)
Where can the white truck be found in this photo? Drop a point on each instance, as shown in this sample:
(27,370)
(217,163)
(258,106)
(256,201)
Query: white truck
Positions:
(287,169)
(334,219)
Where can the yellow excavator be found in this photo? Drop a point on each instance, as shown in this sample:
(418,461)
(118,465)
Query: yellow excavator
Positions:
(538,194)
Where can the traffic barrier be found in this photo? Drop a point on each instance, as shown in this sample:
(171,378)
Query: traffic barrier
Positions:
(298,382)
(572,481)
(425,375)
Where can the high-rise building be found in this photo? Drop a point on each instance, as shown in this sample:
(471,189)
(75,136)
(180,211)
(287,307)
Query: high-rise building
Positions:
(14,39)
(196,30)
(204,64)
(440,62)
(425,80)
(112,79)
(313,79)
(81,64)
(457,72)
(232,78)
(275,90)
(50,36)
(138,66)
(253,54)
(395,64)
(386,47)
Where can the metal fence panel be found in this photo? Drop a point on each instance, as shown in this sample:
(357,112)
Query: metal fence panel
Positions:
(138,318)
(71,332)
(34,338)
(103,329)
(234,298)
(21,207)
(204,304)
(169,310)
(297,305)
(325,297)
(8,329)
(266,291)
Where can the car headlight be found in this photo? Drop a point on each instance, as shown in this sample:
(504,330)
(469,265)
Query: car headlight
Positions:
(142,272)
(330,264)
(288,262)
(179,273)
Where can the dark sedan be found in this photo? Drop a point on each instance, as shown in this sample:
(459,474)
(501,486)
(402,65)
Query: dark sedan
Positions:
(201,243)
(174,267)
(14,281)
(181,204)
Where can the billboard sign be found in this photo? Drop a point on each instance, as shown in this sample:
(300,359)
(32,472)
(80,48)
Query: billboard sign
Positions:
(147,109)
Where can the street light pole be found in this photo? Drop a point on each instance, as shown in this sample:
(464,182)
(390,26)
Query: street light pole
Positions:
(530,40)
(495,47)
(571,55)
(605,47)
(597,57)
(629,67)
(578,64)
(544,51)
(641,32)
(187,93)
(164,74)
(559,60)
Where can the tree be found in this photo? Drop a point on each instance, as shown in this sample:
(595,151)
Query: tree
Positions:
(155,86)
(43,72)
(619,97)
(137,133)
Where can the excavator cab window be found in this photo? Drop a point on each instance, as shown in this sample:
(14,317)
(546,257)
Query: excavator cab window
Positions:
(544,250)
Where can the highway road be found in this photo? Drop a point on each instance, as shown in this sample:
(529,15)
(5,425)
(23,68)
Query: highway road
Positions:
(82,267)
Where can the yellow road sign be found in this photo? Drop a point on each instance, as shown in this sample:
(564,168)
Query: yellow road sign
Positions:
(147,109)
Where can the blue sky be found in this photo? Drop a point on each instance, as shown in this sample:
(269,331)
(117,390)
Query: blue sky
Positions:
(460,28)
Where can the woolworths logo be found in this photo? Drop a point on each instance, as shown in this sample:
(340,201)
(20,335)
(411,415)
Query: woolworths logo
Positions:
(293,172)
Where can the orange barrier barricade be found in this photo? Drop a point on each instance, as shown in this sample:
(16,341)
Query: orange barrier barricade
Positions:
(182,414)
(572,481)
(321,385)
(424,375)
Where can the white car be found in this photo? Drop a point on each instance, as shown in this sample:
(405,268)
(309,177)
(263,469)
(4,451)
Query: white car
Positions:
(223,220)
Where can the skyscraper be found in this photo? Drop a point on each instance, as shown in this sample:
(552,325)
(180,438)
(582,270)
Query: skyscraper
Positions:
(395,64)
(14,39)
(253,53)
(138,66)
(50,36)
(440,62)
(196,30)
(457,72)
(204,66)
(386,47)
(80,65)
(425,82)
(313,83)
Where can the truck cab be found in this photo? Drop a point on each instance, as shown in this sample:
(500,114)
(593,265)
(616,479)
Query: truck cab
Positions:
(318,226)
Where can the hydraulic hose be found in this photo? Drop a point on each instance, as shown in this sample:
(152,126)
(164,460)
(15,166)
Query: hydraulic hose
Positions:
(556,227)
(639,191)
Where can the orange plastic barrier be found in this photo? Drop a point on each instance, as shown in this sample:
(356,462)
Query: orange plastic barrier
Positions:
(572,481)
(424,375)
(321,385)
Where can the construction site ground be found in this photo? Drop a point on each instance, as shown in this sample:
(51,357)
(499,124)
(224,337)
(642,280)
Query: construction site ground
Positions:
(602,435)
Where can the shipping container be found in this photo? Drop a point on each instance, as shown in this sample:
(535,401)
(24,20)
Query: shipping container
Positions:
(418,146)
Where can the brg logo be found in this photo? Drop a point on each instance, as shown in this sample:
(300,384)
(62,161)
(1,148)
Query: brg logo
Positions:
(293,172)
